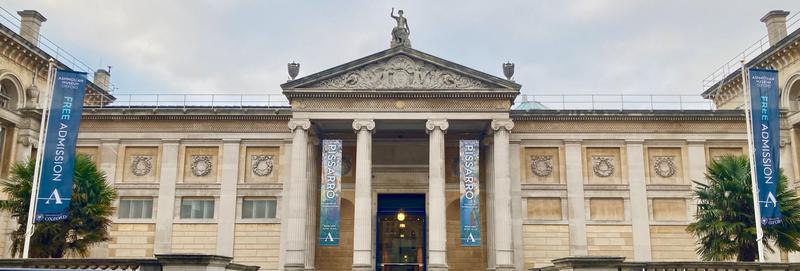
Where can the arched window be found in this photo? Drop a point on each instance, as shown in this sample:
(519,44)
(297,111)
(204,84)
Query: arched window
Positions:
(794,96)
(8,94)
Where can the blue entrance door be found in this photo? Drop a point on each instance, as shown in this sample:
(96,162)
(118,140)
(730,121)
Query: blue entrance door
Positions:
(401,232)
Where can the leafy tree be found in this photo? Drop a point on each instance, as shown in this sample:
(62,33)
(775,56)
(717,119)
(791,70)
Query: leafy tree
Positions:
(725,221)
(89,219)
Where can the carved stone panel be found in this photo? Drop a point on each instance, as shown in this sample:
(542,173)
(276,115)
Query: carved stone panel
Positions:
(715,153)
(665,166)
(261,164)
(92,152)
(140,164)
(606,209)
(401,72)
(603,165)
(200,164)
(669,209)
(541,165)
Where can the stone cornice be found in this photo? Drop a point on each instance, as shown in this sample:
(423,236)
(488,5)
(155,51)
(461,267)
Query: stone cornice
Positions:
(783,53)
(628,115)
(36,60)
(198,113)
(421,94)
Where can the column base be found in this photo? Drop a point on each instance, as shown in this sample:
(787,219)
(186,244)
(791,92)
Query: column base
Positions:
(504,268)
(362,267)
(294,267)
(437,267)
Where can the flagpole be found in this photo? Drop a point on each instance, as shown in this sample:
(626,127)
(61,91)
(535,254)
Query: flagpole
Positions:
(39,154)
(751,150)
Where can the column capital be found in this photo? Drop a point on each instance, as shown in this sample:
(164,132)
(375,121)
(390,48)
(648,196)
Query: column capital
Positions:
(364,124)
(299,123)
(506,124)
(434,124)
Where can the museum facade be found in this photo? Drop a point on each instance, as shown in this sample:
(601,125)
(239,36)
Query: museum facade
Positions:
(244,181)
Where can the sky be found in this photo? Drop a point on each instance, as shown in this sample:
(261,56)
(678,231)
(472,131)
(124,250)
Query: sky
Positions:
(559,47)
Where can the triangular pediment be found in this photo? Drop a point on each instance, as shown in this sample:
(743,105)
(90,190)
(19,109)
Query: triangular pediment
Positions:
(400,69)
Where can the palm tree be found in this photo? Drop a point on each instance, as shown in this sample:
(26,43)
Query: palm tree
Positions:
(89,219)
(725,222)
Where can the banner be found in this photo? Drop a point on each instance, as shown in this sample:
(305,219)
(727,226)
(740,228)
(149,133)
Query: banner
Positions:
(330,192)
(766,136)
(58,164)
(468,161)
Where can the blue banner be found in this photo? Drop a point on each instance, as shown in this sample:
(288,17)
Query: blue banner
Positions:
(766,136)
(58,164)
(470,203)
(330,192)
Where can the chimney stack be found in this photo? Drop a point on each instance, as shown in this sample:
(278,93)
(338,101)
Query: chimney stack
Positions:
(776,25)
(101,78)
(29,28)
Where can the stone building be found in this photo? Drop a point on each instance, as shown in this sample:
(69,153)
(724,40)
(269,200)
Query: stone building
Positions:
(243,181)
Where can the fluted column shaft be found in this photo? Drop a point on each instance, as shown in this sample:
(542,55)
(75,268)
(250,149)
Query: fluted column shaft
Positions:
(297,192)
(362,223)
(503,228)
(437,224)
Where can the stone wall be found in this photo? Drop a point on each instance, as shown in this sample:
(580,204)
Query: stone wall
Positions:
(257,244)
(459,257)
(672,243)
(339,258)
(543,243)
(131,240)
(194,238)
(610,240)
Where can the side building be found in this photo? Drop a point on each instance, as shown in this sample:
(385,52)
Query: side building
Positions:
(243,181)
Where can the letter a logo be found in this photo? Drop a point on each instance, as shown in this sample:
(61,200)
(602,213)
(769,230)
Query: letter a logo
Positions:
(54,196)
(770,199)
(471,238)
(329,238)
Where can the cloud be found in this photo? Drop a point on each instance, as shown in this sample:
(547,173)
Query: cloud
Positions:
(560,47)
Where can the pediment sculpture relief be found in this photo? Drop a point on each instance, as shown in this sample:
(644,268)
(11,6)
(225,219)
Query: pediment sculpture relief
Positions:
(401,72)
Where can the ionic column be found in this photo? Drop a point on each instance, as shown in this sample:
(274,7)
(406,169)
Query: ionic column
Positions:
(362,223)
(640,217)
(437,225)
(503,229)
(297,192)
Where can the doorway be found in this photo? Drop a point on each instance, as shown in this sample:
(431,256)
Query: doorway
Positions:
(401,234)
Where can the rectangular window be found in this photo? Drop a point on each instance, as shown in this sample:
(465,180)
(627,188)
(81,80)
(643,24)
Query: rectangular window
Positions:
(258,208)
(197,208)
(136,208)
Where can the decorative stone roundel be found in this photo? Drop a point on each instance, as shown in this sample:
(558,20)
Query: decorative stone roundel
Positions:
(603,166)
(262,165)
(141,165)
(455,167)
(542,165)
(347,165)
(201,165)
(664,166)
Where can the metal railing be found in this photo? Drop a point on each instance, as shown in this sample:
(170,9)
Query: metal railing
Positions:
(612,102)
(188,100)
(761,45)
(14,23)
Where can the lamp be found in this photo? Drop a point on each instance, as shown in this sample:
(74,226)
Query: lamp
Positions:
(401,216)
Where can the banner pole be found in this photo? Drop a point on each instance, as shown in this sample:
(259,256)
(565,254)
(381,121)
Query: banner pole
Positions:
(39,154)
(751,151)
